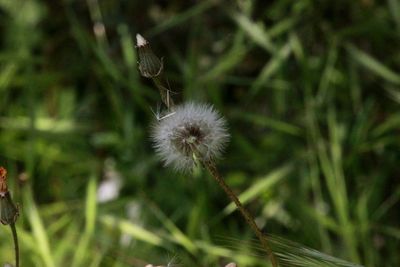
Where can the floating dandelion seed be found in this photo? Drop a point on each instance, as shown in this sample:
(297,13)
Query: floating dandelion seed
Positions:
(192,131)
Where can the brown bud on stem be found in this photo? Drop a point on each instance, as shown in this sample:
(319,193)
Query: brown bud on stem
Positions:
(8,210)
(150,66)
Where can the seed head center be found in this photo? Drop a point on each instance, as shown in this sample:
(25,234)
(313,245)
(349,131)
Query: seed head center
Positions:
(188,138)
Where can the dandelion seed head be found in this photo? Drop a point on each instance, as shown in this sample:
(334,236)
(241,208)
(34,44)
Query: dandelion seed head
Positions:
(194,130)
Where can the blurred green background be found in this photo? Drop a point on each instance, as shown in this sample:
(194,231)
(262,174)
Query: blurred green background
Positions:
(311,91)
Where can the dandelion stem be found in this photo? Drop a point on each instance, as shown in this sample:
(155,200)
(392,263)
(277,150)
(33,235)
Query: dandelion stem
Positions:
(164,91)
(245,213)
(16,247)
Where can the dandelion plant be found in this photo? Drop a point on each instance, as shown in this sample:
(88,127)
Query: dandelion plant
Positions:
(191,134)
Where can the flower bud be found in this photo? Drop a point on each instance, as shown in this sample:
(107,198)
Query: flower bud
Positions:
(8,210)
(150,66)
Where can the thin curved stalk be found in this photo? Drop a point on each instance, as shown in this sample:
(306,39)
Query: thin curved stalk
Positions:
(245,213)
(16,246)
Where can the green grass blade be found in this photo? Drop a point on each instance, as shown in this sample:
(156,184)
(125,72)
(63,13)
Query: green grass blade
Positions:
(83,249)
(182,17)
(292,254)
(265,121)
(229,60)
(373,64)
(131,229)
(289,253)
(271,68)
(260,186)
(394,8)
(177,235)
(38,229)
(255,31)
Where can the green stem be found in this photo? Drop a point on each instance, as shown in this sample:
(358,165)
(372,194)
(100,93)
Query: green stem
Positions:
(165,93)
(16,247)
(247,216)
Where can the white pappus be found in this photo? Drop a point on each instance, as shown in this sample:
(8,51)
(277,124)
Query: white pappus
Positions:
(191,131)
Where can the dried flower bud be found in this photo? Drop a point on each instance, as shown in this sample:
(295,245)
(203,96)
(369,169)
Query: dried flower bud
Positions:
(3,184)
(8,210)
(150,66)
(191,131)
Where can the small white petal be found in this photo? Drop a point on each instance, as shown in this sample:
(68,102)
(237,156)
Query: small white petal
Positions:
(140,41)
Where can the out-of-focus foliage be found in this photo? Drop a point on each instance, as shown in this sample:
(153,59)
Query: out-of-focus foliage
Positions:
(311,92)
